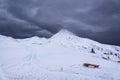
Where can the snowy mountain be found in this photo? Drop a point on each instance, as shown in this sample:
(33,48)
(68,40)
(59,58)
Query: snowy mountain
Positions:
(60,57)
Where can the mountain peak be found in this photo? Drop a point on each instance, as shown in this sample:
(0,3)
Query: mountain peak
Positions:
(68,36)
(64,33)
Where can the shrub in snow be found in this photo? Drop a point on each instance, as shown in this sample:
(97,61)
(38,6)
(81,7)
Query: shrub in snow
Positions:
(106,58)
(92,50)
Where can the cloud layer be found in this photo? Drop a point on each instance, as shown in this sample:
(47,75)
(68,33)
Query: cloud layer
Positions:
(95,19)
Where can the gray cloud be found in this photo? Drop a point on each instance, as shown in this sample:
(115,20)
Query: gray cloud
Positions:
(94,19)
(111,36)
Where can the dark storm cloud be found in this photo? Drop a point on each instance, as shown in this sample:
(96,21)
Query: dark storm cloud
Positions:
(111,36)
(94,19)
(105,15)
(16,20)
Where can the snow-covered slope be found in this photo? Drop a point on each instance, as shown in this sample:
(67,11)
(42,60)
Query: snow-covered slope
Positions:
(68,39)
(59,58)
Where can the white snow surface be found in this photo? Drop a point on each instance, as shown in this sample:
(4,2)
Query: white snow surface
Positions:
(60,57)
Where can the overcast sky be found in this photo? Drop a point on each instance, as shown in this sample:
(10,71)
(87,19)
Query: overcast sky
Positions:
(95,19)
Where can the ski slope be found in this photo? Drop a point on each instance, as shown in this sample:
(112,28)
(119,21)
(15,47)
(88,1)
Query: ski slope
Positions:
(60,57)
